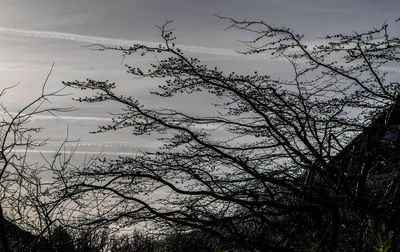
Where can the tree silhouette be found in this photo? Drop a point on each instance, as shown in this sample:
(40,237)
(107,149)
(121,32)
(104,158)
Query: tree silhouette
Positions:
(23,194)
(276,160)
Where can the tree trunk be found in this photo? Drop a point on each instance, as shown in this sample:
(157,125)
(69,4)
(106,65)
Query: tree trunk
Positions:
(335,229)
(3,232)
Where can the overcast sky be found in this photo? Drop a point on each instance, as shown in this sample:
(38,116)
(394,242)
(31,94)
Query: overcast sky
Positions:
(26,59)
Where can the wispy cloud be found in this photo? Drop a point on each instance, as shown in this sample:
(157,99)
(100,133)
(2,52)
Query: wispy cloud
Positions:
(393,69)
(68,118)
(80,152)
(110,41)
(105,145)
(62,117)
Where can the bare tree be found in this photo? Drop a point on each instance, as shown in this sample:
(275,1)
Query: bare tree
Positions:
(297,154)
(23,194)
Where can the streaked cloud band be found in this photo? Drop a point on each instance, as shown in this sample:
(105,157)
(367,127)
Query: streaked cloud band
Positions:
(109,41)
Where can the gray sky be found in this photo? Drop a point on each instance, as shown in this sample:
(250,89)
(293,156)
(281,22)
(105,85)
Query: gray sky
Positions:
(27,60)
